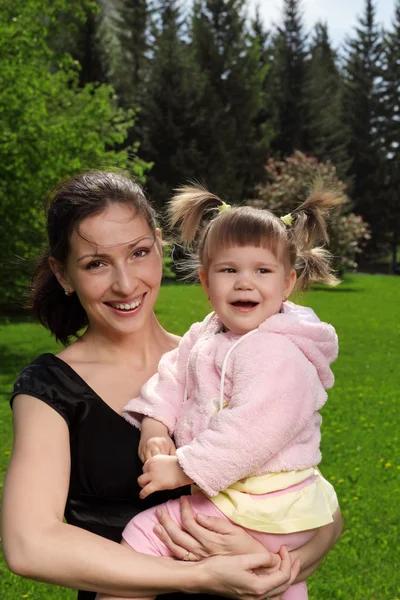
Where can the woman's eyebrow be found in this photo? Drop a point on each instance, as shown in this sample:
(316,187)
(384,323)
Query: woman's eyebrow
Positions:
(131,244)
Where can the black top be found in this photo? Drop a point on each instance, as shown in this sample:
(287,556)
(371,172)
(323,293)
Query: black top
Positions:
(103,491)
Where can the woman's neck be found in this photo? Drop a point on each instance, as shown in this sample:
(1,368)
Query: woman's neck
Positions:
(139,349)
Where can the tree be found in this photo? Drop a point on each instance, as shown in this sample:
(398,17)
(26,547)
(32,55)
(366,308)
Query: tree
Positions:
(362,110)
(132,24)
(49,129)
(286,82)
(232,144)
(327,136)
(172,114)
(390,136)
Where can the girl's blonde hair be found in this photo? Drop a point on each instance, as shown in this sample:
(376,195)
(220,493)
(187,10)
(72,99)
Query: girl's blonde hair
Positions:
(296,245)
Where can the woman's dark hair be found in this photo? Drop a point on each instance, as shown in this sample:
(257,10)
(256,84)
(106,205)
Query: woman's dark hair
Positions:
(72,201)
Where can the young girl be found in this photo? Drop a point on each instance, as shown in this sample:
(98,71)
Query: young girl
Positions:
(241,393)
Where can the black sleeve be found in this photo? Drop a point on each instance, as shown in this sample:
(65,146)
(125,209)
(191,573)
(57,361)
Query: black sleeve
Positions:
(48,381)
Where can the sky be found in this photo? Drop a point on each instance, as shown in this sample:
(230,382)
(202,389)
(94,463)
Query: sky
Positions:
(341,15)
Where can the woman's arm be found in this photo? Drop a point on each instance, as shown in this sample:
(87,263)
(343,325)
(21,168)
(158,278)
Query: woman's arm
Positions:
(204,536)
(39,545)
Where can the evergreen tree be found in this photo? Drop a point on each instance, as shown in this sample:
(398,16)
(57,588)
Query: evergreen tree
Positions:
(327,136)
(286,82)
(390,136)
(172,114)
(362,116)
(261,39)
(132,24)
(232,144)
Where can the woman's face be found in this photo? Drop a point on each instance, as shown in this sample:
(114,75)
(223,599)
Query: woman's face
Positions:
(115,268)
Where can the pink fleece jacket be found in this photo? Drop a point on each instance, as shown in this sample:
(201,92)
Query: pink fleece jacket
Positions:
(275,384)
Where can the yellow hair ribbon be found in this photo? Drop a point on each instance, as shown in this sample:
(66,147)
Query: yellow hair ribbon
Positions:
(288,220)
(223,207)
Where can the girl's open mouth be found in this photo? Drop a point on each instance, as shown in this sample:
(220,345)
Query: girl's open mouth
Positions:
(244,305)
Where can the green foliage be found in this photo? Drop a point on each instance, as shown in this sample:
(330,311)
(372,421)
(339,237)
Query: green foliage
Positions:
(49,129)
(362,116)
(326,134)
(172,115)
(390,135)
(167,269)
(360,433)
(233,143)
(286,82)
(288,183)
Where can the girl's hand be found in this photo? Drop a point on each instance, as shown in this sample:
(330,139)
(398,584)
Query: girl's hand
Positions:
(161,473)
(204,536)
(156,445)
(249,577)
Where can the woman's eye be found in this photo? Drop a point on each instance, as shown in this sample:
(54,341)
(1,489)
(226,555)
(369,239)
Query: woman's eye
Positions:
(96,264)
(141,252)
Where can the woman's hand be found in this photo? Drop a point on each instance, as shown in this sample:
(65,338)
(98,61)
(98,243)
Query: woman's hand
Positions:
(249,577)
(204,536)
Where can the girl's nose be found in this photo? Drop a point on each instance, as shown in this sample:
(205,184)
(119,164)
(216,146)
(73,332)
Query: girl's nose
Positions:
(244,282)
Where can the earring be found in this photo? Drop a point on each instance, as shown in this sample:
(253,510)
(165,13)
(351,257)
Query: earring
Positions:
(67,292)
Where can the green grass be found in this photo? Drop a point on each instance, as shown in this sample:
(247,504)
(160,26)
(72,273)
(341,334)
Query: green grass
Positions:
(360,440)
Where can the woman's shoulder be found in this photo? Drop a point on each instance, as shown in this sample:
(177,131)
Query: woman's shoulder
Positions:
(49,379)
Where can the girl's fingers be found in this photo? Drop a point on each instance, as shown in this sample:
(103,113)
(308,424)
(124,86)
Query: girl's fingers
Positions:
(147,490)
(144,479)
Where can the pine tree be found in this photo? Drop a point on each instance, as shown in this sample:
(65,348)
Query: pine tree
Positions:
(233,145)
(327,136)
(286,82)
(132,24)
(172,114)
(362,116)
(390,136)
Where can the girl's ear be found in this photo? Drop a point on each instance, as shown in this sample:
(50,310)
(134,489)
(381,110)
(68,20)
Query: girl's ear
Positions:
(203,280)
(159,234)
(290,282)
(59,271)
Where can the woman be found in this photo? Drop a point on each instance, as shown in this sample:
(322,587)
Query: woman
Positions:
(73,453)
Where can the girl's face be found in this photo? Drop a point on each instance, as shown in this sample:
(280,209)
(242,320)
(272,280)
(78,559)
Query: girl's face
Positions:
(246,285)
(115,267)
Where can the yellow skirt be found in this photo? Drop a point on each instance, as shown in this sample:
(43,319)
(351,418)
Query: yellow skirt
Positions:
(279,502)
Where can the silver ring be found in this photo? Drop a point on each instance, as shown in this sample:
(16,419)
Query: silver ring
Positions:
(186,557)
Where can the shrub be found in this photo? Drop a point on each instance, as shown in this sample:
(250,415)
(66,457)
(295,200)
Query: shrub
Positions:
(291,179)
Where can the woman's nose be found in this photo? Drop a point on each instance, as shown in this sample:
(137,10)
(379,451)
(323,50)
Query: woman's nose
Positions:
(125,281)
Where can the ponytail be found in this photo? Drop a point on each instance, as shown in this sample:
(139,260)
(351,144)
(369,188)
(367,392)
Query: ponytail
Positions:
(314,263)
(63,315)
(187,209)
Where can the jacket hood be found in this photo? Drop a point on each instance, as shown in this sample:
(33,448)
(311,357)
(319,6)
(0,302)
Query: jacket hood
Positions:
(317,340)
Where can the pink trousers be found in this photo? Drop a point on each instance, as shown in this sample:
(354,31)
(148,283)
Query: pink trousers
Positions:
(139,535)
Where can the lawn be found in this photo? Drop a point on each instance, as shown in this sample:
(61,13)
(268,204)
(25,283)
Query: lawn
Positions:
(360,440)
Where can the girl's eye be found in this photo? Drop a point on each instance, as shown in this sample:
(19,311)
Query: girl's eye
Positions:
(228,270)
(141,252)
(264,271)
